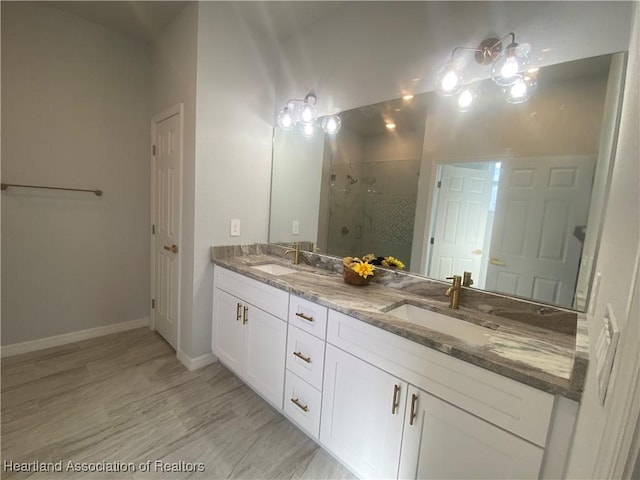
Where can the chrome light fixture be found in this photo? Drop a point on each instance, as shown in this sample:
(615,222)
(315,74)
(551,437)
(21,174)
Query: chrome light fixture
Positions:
(507,67)
(304,115)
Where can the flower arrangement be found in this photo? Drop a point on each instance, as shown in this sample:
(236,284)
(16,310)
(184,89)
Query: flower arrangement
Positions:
(357,271)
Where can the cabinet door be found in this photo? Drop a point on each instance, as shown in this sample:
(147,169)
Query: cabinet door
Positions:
(264,354)
(228,331)
(362,415)
(443,441)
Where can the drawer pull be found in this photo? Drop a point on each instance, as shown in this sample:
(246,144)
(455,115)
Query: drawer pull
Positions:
(414,413)
(245,315)
(238,314)
(302,357)
(304,317)
(396,399)
(297,403)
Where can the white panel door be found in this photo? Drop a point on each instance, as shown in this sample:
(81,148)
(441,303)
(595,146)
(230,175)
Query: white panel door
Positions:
(441,441)
(228,330)
(362,415)
(265,345)
(540,202)
(464,196)
(166,182)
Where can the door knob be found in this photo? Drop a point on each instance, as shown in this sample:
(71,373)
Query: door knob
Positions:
(173,248)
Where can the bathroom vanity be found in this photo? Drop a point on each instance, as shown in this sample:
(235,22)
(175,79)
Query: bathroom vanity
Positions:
(391,382)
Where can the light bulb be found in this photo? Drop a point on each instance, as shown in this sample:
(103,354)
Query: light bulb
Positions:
(449,79)
(521,90)
(331,124)
(509,64)
(467,97)
(285,119)
(308,113)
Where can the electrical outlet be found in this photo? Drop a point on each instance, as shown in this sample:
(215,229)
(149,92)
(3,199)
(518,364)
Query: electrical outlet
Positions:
(235,227)
(606,350)
(295,227)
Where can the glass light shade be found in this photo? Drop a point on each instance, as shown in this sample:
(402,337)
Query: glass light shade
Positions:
(285,119)
(522,90)
(308,113)
(467,97)
(509,64)
(331,124)
(449,79)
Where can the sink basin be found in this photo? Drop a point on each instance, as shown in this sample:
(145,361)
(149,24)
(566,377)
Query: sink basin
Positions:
(275,269)
(454,327)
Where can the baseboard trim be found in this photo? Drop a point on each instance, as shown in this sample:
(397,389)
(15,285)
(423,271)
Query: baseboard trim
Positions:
(57,340)
(196,363)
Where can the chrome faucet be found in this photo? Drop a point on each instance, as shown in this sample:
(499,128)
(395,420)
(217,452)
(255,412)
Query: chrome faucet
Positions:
(453,292)
(296,253)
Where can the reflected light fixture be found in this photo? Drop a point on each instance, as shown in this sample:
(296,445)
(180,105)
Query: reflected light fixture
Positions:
(507,67)
(390,125)
(522,89)
(304,115)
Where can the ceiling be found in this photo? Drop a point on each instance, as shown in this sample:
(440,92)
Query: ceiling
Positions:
(145,19)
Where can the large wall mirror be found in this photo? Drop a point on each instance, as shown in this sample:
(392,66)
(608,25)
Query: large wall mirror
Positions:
(513,193)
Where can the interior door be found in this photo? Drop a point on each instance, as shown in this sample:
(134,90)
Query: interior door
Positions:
(542,200)
(166,182)
(464,195)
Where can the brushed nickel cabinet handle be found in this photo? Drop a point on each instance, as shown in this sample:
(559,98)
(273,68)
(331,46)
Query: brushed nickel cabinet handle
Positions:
(238,314)
(304,317)
(414,413)
(245,315)
(297,403)
(302,357)
(396,399)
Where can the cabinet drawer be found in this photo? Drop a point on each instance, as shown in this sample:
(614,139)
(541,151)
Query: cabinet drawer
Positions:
(258,294)
(308,316)
(302,404)
(511,405)
(305,356)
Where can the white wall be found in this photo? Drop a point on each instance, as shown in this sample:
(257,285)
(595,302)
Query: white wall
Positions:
(411,40)
(235,105)
(598,442)
(75,113)
(173,81)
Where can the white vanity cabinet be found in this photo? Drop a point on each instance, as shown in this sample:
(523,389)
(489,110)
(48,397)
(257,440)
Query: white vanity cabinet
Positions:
(442,441)
(362,415)
(246,335)
(305,363)
(472,423)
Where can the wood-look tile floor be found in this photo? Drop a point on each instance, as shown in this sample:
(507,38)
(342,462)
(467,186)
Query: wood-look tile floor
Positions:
(126,398)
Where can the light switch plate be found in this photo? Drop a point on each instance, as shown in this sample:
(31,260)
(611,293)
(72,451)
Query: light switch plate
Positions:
(295,227)
(606,351)
(235,227)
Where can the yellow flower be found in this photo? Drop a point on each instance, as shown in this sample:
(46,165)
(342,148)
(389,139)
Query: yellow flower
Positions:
(368,257)
(364,269)
(392,262)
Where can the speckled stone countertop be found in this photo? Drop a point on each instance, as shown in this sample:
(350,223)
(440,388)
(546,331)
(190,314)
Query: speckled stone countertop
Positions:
(538,345)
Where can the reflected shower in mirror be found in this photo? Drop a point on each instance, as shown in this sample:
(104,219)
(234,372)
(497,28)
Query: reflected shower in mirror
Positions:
(510,192)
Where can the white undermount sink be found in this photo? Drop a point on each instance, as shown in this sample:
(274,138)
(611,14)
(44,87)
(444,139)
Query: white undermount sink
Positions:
(469,332)
(274,269)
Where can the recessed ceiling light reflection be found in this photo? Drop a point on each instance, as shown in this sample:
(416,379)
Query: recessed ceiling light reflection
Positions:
(390,126)
(407,97)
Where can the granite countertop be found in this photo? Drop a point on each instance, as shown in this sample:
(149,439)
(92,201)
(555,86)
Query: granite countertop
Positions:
(541,346)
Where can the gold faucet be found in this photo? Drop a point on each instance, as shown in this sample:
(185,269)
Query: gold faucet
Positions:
(466,279)
(453,292)
(296,252)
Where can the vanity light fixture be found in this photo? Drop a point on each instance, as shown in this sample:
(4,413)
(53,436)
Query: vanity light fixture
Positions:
(522,89)
(304,115)
(390,126)
(507,66)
